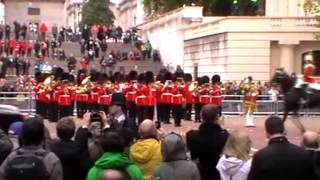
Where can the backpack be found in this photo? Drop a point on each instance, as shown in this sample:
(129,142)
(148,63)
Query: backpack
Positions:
(27,165)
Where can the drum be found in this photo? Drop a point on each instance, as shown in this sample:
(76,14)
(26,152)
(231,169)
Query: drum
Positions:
(82,97)
(104,100)
(141,101)
(166,98)
(64,100)
(177,99)
(153,92)
(204,99)
(55,96)
(94,97)
(73,96)
(150,101)
(131,96)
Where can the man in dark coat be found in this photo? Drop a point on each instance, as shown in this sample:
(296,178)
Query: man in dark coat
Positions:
(6,146)
(206,144)
(280,160)
(73,154)
(310,142)
(118,119)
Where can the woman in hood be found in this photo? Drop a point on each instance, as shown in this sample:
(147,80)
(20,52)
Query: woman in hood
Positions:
(235,162)
(175,164)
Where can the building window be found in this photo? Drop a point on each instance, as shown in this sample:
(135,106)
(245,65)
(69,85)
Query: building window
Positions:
(33,11)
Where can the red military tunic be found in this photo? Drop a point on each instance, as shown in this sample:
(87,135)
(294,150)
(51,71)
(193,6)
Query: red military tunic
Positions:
(177,97)
(189,97)
(167,94)
(204,96)
(307,74)
(142,91)
(216,93)
(130,92)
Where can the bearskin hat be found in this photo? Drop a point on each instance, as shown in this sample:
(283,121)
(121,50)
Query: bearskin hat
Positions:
(133,75)
(216,79)
(187,77)
(141,78)
(149,76)
(205,79)
(168,76)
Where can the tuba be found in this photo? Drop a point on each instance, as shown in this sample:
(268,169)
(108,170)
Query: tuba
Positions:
(193,86)
(86,80)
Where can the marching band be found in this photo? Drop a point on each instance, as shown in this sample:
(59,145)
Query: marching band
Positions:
(171,95)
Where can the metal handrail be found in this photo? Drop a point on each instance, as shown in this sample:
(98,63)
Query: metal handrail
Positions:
(232,106)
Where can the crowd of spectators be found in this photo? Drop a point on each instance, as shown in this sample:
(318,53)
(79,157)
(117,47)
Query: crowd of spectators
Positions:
(112,147)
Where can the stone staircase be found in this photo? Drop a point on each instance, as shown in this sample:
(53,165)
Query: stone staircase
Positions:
(126,66)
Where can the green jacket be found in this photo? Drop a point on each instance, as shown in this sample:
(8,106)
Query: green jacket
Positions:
(114,161)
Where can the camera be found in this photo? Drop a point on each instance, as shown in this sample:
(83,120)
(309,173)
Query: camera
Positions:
(95,117)
(158,124)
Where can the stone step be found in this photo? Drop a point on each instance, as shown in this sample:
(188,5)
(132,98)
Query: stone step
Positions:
(140,66)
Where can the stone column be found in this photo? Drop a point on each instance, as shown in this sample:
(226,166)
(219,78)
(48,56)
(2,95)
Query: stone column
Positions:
(287,58)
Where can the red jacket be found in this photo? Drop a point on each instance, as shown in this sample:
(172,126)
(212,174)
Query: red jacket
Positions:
(307,74)
(84,64)
(11,43)
(190,99)
(43,28)
(216,93)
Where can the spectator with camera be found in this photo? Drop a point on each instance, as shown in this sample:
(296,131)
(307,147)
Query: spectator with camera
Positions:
(72,153)
(97,121)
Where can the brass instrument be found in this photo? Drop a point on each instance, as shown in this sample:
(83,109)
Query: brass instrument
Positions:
(85,85)
(86,80)
(193,86)
(48,81)
(157,84)
(46,85)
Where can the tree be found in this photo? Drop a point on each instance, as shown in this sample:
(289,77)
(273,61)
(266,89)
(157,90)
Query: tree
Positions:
(312,7)
(97,12)
(210,7)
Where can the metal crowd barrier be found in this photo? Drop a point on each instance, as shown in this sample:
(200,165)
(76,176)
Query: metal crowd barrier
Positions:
(232,104)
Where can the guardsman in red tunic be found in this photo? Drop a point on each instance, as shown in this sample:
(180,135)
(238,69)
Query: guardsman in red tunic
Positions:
(23,47)
(141,99)
(203,96)
(105,98)
(166,97)
(159,86)
(37,87)
(82,96)
(95,93)
(72,91)
(44,97)
(57,91)
(64,102)
(131,93)
(188,91)
(151,96)
(11,45)
(177,101)
(216,92)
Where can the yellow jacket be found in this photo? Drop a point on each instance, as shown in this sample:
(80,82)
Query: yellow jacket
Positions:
(146,154)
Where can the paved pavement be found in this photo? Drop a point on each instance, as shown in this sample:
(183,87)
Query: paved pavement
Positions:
(257,134)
